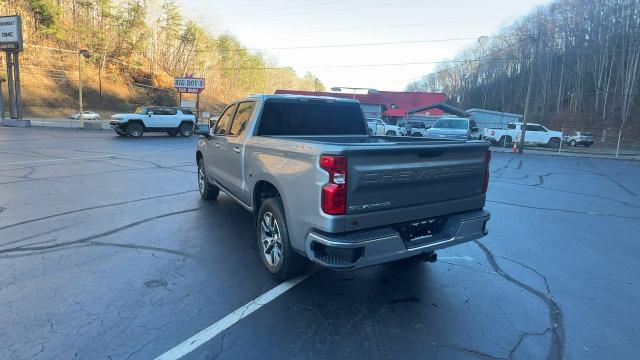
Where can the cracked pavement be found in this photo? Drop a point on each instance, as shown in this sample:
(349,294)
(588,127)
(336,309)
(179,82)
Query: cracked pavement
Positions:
(106,252)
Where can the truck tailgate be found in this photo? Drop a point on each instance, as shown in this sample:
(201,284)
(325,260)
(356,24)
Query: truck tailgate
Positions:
(408,182)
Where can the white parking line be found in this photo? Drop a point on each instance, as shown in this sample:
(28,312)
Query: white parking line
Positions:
(228,321)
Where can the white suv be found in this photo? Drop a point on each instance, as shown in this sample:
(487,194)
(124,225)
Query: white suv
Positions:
(171,120)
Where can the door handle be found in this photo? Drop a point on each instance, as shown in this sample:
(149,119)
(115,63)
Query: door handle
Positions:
(236,149)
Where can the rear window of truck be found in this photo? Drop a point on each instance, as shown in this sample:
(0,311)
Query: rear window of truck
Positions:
(293,117)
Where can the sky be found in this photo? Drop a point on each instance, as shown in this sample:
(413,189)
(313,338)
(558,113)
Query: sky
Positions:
(303,34)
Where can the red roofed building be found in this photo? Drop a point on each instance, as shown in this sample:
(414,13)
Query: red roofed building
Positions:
(388,104)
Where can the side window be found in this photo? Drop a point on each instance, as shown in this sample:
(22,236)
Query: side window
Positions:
(222,126)
(472,124)
(511,126)
(170,111)
(380,122)
(242,117)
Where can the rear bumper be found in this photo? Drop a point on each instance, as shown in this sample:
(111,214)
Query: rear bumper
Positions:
(371,247)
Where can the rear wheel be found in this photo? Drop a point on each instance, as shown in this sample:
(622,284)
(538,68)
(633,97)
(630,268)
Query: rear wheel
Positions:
(274,247)
(135,130)
(505,141)
(208,191)
(391,133)
(186,129)
(573,143)
(554,143)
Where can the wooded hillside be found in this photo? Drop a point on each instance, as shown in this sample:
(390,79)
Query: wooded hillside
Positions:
(585,58)
(136,47)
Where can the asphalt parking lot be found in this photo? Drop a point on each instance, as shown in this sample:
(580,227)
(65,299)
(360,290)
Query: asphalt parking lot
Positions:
(107,252)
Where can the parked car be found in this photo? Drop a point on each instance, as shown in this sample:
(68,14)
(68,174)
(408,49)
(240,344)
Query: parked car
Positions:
(322,189)
(376,126)
(171,120)
(86,115)
(579,138)
(454,128)
(536,134)
(416,128)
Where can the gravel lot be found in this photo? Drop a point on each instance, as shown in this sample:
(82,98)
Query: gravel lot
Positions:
(107,252)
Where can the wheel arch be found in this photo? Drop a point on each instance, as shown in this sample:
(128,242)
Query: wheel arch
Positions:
(136,121)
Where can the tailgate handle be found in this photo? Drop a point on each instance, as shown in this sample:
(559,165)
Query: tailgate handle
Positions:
(430,153)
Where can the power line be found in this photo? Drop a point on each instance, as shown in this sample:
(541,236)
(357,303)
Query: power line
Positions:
(356,65)
(465,62)
(251,18)
(376,27)
(363,44)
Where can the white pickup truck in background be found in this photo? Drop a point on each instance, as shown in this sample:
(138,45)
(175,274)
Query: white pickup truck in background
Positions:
(536,134)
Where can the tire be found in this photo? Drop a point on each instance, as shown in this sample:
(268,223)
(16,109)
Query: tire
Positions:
(391,133)
(185,129)
(554,143)
(573,143)
(207,190)
(274,247)
(505,141)
(135,130)
(172,133)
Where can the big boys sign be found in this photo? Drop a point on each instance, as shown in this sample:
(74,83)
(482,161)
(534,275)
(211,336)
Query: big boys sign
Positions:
(188,84)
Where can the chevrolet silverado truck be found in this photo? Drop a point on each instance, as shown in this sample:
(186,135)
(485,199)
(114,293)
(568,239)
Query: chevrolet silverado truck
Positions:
(171,120)
(322,189)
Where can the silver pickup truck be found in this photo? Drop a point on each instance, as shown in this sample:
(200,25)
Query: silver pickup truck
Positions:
(322,189)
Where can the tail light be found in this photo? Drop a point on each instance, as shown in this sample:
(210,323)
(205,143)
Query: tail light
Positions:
(334,194)
(485,186)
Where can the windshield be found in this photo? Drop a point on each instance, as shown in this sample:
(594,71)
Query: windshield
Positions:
(458,124)
(142,110)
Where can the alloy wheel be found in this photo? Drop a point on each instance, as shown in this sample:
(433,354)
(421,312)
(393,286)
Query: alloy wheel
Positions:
(270,239)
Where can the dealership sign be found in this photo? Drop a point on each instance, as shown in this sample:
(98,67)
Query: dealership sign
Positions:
(10,33)
(190,85)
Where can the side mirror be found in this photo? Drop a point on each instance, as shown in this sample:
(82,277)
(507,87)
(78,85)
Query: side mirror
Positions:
(201,129)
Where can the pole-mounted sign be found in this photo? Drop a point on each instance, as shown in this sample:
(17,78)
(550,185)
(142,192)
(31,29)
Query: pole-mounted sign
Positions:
(11,44)
(11,33)
(190,85)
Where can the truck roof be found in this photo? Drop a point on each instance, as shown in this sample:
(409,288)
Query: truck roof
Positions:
(520,123)
(288,96)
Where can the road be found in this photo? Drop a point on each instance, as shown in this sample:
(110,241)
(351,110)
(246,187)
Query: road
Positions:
(107,252)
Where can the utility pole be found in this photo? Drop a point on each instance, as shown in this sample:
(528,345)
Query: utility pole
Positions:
(102,61)
(80,89)
(16,68)
(11,86)
(1,100)
(81,54)
(525,118)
